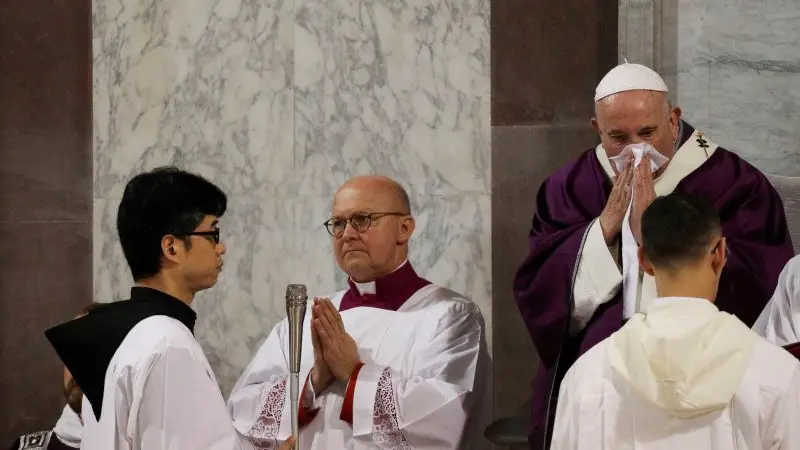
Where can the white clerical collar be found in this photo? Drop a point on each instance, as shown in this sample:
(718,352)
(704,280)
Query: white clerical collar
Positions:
(369,286)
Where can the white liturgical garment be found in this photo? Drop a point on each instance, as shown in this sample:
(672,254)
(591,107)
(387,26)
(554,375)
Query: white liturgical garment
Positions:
(160,393)
(416,389)
(780,320)
(69,428)
(682,376)
(598,276)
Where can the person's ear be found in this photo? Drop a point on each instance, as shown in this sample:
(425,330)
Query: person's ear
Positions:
(675,120)
(169,248)
(407,226)
(644,263)
(719,257)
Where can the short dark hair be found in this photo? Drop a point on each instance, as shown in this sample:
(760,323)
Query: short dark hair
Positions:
(677,229)
(163,201)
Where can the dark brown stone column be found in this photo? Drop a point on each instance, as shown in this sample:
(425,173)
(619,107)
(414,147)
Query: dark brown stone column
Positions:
(547,58)
(45,199)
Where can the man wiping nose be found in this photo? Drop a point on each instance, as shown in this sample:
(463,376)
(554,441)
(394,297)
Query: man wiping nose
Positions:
(580,281)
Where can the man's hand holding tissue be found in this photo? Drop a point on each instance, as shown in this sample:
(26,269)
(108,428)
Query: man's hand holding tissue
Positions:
(643,194)
(614,212)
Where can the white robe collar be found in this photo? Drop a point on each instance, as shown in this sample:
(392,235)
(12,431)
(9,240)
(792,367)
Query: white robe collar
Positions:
(369,286)
(683,355)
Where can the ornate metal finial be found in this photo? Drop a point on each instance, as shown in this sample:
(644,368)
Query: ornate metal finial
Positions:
(296,294)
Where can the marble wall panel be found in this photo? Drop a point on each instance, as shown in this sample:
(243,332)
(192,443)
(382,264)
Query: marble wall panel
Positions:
(279,103)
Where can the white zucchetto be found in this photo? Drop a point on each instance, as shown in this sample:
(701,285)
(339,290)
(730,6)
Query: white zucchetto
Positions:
(629,77)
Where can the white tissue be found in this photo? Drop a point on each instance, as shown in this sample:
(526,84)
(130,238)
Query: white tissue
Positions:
(639,150)
(631,298)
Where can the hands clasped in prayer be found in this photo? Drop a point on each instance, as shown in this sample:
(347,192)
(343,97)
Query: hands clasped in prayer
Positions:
(632,181)
(335,352)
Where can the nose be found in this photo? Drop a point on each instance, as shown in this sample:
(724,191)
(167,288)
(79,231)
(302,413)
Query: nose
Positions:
(349,232)
(221,249)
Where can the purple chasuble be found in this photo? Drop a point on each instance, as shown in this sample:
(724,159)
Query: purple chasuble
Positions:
(567,202)
(391,291)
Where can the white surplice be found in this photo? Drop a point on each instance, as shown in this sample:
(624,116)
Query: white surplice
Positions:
(780,320)
(69,428)
(682,376)
(599,277)
(160,393)
(416,389)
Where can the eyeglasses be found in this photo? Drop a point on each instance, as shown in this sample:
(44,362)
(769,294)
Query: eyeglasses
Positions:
(213,234)
(359,221)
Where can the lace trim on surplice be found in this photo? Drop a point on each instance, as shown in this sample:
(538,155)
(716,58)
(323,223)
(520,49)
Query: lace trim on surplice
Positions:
(264,432)
(386,432)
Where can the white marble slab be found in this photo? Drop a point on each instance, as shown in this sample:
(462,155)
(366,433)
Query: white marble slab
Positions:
(739,70)
(395,88)
(278,103)
(733,66)
(197,83)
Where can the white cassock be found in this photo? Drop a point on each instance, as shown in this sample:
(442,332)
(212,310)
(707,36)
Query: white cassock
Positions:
(683,376)
(415,390)
(599,275)
(69,428)
(160,393)
(780,321)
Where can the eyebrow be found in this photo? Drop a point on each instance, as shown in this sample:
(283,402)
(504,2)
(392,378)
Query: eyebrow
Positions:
(345,216)
(215,223)
(641,130)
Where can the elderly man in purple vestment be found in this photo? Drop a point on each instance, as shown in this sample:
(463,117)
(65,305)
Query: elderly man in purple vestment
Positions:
(581,278)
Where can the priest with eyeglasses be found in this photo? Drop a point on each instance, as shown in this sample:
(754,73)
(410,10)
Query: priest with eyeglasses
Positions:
(391,361)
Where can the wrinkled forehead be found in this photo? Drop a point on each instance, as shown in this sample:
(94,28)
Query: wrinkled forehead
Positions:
(349,200)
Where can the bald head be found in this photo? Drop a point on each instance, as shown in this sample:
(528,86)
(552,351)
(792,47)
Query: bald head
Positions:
(371,225)
(384,189)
